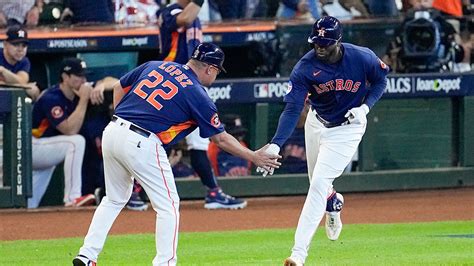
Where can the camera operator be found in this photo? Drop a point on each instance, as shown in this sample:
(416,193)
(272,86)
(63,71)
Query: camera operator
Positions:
(425,42)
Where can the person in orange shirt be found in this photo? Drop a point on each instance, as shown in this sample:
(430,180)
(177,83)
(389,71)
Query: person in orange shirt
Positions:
(451,7)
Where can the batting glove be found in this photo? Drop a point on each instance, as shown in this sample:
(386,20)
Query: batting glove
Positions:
(272,149)
(358,115)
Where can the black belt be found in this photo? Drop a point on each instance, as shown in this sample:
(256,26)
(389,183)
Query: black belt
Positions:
(136,129)
(328,124)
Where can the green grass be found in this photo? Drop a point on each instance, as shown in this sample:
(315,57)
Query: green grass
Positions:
(369,244)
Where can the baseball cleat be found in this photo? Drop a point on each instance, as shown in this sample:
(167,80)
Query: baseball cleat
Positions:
(292,262)
(217,199)
(99,193)
(333,225)
(333,216)
(136,203)
(85,200)
(81,260)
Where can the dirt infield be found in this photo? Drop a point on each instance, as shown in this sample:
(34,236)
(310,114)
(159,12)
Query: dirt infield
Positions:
(275,212)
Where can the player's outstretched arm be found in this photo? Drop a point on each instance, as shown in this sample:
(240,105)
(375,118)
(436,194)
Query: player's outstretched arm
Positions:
(105,84)
(260,158)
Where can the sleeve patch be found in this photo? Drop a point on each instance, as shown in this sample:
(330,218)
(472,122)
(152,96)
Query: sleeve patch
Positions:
(57,112)
(215,121)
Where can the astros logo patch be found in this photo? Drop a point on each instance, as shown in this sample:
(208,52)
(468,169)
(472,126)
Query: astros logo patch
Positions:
(57,112)
(321,32)
(215,121)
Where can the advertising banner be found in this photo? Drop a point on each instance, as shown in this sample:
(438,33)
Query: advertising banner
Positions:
(398,86)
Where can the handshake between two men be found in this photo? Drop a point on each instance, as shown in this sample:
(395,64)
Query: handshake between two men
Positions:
(272,149)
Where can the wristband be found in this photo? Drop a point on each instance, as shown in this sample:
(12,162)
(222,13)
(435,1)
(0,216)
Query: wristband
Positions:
(198,2)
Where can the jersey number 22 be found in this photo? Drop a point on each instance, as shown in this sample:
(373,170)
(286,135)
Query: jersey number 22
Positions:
(151,97)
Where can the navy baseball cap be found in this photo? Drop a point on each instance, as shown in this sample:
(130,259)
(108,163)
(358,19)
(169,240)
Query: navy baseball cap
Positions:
(326,31)
(233,125)
(74,66)
(211,54)
(16,34)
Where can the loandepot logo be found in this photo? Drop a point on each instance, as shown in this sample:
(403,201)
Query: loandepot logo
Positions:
(438,85)
(134,41)
(219,93)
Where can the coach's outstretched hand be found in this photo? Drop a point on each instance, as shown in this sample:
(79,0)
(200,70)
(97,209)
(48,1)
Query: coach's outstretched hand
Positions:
(271,149)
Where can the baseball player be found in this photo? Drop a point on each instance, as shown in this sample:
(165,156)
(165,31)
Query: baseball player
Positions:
(342,82)
(156,105)
(14,65)
(180,33)
(58,115)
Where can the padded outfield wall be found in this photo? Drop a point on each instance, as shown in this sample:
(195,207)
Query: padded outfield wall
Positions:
(417,138)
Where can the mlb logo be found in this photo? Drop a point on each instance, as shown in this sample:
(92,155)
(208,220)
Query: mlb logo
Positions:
(261,90)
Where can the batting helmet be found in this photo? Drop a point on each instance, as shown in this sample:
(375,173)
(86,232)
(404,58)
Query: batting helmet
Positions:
(326,31)
(209,53)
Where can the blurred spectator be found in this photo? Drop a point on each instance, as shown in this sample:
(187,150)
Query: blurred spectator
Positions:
(88,11)
(451,10)
(451,7)
(294,150)
(14,65)
(383,8)
(224,163)
(51,11)
(256,9)
(344,9)
(298,9)
(229,10)
(136,11)
(425,42)
(19,12)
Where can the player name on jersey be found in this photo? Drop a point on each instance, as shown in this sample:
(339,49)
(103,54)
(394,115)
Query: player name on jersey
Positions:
(178,75)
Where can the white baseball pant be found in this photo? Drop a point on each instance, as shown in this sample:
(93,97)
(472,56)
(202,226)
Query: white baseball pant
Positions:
(51,151)
(196,142)
(328,152)
(128,155)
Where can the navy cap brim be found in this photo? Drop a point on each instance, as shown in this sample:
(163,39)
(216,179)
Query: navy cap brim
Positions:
(219,67)
(25,41)
(323,42)
(223,69)
(80,74)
